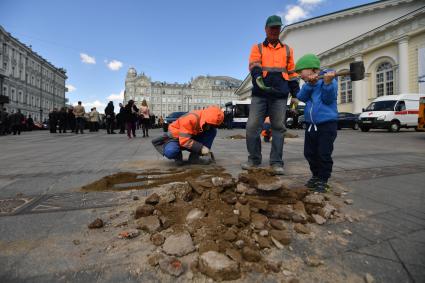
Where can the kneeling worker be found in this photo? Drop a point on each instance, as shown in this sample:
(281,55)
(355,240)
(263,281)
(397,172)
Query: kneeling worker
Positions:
(194,132)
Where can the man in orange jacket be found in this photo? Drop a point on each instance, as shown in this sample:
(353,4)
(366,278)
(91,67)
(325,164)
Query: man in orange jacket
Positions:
(194,132)
(271,65)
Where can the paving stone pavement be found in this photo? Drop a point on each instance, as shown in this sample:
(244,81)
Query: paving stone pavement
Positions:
(40,200)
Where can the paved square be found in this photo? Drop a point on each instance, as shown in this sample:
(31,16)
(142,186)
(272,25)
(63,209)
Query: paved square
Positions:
(42,209)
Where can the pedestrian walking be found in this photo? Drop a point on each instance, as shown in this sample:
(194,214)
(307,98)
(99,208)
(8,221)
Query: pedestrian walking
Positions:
(145,114)
(63,120)
(16,121)
(79,113)
(110,117)
(130,118)
(53,120)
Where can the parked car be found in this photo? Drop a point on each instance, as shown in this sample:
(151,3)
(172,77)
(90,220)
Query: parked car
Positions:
(171,118)
(391,112)
(348,120)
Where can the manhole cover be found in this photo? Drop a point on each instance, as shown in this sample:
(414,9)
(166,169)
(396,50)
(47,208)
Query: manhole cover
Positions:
(9,206)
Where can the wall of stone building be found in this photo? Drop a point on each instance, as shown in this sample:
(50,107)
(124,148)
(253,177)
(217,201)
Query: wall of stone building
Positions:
(415,42)
(372,59)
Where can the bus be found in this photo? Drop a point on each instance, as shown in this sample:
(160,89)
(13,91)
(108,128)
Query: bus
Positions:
(238,111)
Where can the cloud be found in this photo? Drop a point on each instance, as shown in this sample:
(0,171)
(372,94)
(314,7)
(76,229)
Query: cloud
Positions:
(295,14)
(71,88)
(116,97)
(87,59)
(310,2)
(301,11)
(114,65)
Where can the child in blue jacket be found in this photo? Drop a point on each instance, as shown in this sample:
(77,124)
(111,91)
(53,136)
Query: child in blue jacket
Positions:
(321,115)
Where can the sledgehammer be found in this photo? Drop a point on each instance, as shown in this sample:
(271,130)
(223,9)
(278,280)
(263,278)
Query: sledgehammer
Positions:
(356,71)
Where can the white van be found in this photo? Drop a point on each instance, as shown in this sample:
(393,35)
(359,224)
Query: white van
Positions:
(391,112)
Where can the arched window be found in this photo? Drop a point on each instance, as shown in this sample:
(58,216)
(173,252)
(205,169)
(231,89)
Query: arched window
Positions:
(345,90)
(384,79)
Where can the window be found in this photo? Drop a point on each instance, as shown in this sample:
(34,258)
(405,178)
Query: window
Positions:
(401,106)
(346,90)
(384,79)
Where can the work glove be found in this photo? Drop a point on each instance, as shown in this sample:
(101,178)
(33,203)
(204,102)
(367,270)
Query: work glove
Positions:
(260,82)
(205,150)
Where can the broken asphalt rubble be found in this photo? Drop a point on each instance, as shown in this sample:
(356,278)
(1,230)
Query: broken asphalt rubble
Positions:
(226,226)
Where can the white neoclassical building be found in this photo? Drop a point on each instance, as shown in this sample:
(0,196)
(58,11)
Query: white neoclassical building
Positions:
(164,98)
(31,83)
(389,36)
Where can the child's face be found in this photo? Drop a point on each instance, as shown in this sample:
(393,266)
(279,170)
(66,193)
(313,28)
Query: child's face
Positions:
(307,73)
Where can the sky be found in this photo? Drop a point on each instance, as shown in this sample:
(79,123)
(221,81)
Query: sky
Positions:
(96,41)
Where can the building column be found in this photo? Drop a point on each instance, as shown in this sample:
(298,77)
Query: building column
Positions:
(365,91)
(358,91)
(403,63)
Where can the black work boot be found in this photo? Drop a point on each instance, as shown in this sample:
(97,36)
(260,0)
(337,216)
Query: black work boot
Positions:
(322,187)
(195,158)
(179,159)
(311,184)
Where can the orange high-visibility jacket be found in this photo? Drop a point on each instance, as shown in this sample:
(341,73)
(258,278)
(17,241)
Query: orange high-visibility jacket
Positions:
(269,58)
(190,125)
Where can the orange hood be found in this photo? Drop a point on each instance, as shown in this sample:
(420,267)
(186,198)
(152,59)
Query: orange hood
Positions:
(212,116)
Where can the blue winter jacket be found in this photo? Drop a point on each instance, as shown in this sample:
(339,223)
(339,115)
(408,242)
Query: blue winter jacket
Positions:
(320,102)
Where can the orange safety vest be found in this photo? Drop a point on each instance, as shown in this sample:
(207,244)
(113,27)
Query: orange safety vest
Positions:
(279,58)
(185,128)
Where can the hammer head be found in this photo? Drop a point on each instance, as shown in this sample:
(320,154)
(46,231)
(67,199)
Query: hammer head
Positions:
(357,71)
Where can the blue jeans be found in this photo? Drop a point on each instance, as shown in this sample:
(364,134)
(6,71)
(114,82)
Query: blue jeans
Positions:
(172,149)
(260,108)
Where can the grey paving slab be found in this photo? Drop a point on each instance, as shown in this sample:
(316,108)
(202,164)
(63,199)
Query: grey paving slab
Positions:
(382,270)
(380,250)
(409,252)
(416,272)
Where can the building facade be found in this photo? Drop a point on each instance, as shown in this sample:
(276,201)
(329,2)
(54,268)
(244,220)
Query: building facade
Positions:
(388,36)
(32,84)
(164,98)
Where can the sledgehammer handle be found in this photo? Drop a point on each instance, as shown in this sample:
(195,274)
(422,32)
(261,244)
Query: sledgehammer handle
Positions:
(340,73)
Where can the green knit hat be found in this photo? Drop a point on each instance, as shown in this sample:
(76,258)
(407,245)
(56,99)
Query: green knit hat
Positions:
(308,61)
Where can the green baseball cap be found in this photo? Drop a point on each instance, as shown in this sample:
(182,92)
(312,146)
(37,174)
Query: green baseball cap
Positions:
(273,21)
(308,61)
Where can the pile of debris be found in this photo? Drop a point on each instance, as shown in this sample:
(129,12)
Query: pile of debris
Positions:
(226,226)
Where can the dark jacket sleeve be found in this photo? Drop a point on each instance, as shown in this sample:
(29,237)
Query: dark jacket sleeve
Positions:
(294,87)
